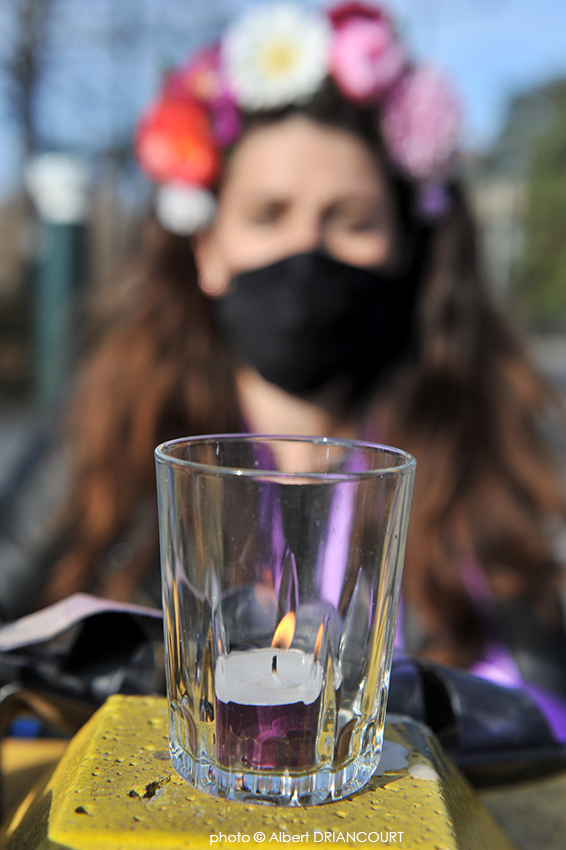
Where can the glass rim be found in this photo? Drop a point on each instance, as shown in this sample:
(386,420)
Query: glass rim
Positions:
(162,456)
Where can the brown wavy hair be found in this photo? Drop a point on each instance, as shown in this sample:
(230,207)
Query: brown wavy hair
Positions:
(468,405)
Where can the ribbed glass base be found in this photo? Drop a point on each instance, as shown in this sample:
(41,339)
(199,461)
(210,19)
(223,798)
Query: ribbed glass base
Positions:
(276,789)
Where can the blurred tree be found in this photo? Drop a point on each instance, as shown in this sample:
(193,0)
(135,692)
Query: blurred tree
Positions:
(77,74)
(74,76)
(520,189)
(24,61)
(23,58)
(541,272)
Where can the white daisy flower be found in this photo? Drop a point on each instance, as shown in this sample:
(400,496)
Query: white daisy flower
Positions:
(276,55)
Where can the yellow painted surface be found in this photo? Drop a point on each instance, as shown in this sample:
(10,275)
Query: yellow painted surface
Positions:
(115,789)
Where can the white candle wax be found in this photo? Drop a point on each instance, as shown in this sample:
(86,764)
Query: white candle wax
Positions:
(247,678)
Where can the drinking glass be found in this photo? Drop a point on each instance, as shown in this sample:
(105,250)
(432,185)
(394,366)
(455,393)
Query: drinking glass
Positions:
(281,562)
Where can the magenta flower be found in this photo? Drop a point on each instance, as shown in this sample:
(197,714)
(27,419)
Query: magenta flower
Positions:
(366,59)
(421,123)
(343,13)
(226,120)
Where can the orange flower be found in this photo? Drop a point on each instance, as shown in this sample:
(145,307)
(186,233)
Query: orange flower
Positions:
(174,143)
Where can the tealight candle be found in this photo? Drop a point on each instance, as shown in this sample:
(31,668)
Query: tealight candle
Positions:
(268,704)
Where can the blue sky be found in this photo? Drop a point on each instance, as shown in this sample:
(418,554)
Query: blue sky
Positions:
(492,48)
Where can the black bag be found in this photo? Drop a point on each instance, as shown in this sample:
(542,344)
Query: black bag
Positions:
(494,734)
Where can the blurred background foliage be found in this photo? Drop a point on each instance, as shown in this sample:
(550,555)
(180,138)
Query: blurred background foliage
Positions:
(540,275)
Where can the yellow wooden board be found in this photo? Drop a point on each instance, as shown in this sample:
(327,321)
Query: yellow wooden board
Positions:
(114,789)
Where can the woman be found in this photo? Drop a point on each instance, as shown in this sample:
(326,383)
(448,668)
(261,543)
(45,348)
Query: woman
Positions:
(314,270)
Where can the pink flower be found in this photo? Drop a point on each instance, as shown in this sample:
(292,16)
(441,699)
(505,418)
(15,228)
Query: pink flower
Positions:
(366,59)
(421,123)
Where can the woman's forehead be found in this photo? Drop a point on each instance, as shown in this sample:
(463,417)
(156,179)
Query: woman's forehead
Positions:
(298,154)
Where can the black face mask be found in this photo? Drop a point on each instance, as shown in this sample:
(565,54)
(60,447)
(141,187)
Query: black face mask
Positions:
(308,322)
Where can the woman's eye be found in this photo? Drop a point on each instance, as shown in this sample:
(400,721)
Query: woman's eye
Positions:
(268,214)
(355,224)
(358,221)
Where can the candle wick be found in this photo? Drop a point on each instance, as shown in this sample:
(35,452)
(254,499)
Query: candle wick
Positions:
(274,673)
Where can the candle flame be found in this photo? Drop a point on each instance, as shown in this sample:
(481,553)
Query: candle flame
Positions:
(284,632)
(318,641)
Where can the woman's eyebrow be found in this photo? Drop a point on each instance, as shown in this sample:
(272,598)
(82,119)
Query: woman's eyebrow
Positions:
(257,201)
(265,195)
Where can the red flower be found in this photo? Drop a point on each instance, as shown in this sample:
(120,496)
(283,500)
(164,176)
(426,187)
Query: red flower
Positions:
(175,143)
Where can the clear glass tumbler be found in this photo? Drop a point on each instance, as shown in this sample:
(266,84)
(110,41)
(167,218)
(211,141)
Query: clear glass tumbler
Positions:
(281,561)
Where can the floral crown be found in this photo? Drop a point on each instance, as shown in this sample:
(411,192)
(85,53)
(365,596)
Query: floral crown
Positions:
(278,55)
